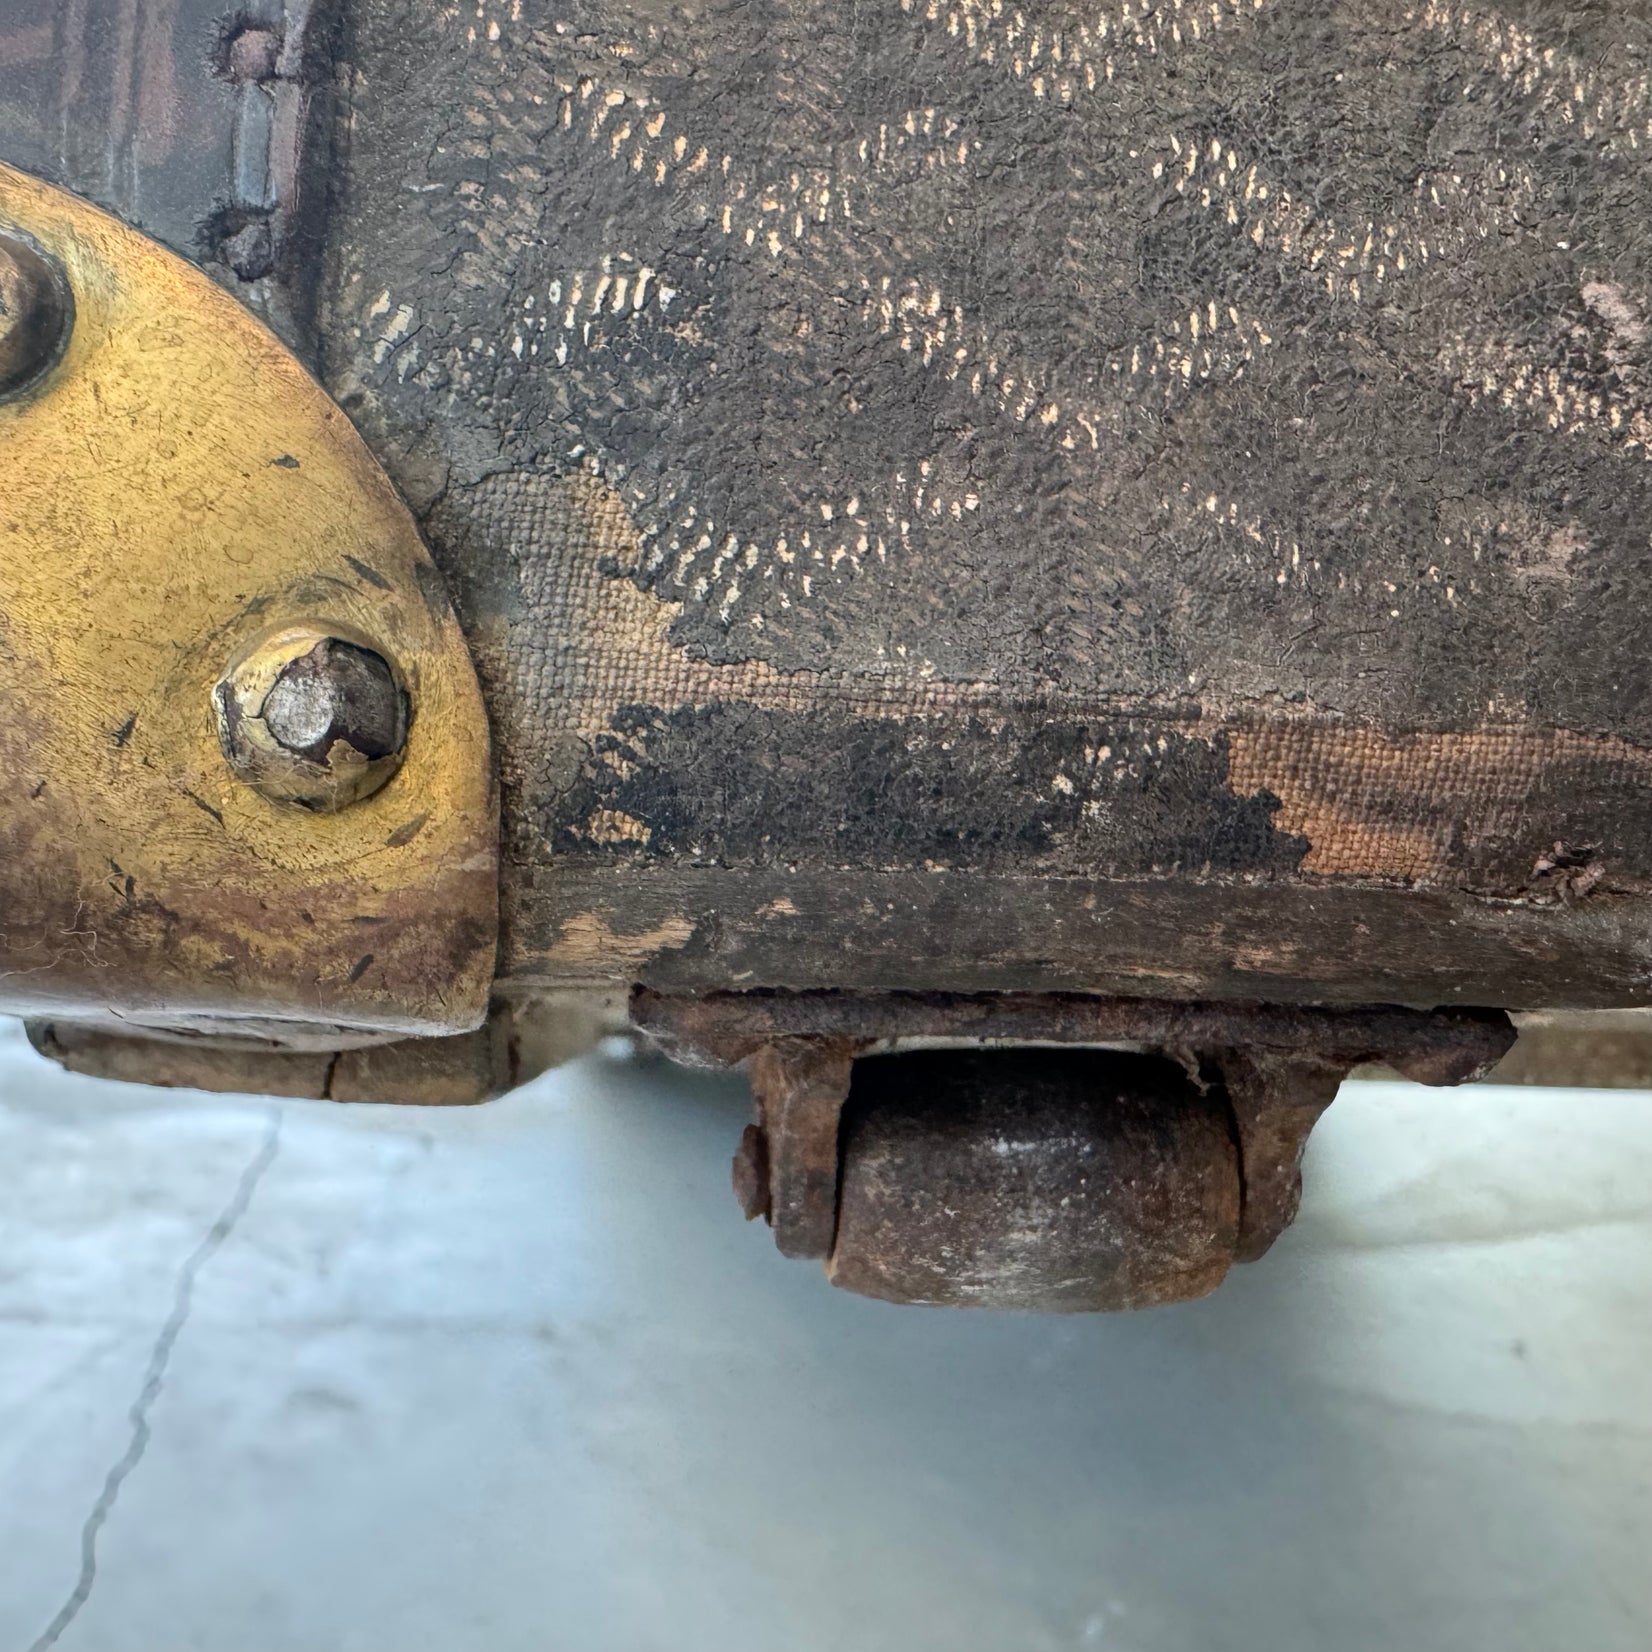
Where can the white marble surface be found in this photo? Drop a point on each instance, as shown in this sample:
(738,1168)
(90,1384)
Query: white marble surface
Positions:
(518,1378)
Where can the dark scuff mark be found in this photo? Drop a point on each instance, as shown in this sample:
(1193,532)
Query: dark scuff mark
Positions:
(202,804)
(371,575)
(405,833)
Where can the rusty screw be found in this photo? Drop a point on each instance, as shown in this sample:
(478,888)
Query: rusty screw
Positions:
(251,54)
(312,718)
(36,313)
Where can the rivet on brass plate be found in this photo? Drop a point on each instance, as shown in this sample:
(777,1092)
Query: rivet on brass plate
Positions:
(312,718)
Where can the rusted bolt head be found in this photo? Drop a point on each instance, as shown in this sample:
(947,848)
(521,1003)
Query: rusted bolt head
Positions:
(251,53)
(36,313)
(250,250)
(313,718)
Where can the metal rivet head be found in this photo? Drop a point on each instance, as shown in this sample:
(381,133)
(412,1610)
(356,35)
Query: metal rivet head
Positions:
(313,718)
(251,53)
(36,313)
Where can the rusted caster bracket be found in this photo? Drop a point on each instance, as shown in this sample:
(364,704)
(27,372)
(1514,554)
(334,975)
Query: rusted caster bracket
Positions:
(786,1169)
(1030,1178)
(1085,1178)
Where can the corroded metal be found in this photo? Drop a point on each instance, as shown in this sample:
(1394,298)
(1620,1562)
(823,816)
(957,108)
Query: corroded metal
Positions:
(314,720)
(799,1086)
(1276,1099)
(1430,1046)
(177,488)
(1046,1179)
(1093,1178)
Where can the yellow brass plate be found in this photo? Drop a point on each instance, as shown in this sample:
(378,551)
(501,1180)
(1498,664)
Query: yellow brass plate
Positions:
(175,487)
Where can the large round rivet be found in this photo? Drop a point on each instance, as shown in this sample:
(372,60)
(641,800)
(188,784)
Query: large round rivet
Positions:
(313,718)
